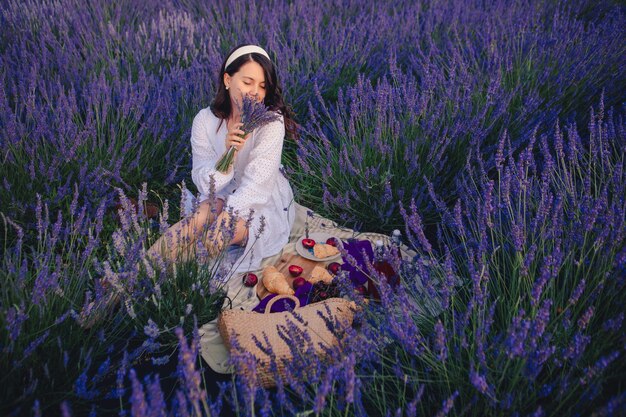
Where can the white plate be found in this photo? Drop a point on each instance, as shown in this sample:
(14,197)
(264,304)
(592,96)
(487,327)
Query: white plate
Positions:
(318,238)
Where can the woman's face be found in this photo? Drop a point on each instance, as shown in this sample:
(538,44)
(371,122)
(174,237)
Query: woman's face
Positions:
(249,80)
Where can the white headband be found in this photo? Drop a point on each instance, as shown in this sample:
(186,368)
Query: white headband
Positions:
(248,49)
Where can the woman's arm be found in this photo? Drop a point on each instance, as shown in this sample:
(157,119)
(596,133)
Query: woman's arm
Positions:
(204,157)
(259,177)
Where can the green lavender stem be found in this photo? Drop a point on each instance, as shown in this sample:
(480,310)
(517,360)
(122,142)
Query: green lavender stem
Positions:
(224,163)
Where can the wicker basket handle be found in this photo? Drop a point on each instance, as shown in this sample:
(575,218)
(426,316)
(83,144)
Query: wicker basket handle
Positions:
(271,302)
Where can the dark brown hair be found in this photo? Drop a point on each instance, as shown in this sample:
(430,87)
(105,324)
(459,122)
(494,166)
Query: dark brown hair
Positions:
(221,106)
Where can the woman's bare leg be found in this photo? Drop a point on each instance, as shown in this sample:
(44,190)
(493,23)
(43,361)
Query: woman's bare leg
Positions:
(216,242)
(240,236)
(178,239)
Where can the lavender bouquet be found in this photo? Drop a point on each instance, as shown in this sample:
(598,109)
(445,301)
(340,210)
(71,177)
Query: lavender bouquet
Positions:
(253,114)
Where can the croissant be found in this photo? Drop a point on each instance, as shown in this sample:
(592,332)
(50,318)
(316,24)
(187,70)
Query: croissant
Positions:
(320,274)
(275,281)
(323,250)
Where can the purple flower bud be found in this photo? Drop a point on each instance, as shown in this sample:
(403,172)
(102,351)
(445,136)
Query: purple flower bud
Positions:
(440,341)
(479,382)
(139,407)
(14,318)
(577,292)
(448,405)
(577,347)
(151,329)
(614,324)
(585,318)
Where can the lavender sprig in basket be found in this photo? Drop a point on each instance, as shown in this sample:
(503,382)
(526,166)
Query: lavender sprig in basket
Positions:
(253,114)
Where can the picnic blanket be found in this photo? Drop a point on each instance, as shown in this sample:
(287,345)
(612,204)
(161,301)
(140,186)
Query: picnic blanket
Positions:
(212,346)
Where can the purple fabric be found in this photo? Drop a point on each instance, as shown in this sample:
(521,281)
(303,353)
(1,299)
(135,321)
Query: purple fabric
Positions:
(355,248)
(302,294)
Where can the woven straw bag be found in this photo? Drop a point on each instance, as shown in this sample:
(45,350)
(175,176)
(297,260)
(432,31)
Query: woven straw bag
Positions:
(239,329)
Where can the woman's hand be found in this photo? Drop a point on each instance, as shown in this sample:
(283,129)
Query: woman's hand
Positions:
(234,136)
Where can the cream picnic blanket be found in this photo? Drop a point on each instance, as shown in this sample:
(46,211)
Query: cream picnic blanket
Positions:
(212,346)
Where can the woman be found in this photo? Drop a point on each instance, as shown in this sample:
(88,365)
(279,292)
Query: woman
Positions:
(254,189)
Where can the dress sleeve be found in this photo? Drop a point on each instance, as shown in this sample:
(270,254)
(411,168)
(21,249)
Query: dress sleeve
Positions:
(204,157)
(259,176)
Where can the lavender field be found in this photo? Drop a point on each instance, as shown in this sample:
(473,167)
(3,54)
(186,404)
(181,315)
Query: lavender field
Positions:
(492,134)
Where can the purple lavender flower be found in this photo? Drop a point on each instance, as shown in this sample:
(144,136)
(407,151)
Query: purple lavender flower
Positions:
(583,321)
(81,388)
(350,377)
(516,338)
(35,344)
(414,226)
(138,398)
(151,329)
(479,382)
(614,324)
(614,406)
(577,347)
(323,390)
(254,114)
(540,323)
(66,410)
(499,159)
(448,405)
(577,292)
(121,374)
(546,273)
(599,367)
(440,341)
(14,319)
(37,408)
(187,370)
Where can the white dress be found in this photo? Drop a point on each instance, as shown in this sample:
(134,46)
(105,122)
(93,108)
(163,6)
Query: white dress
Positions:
(255,182)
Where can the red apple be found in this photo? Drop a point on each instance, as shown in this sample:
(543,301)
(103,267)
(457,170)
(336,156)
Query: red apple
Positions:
(250,280)
(295,270)
(360,289)
(308,243)
(334,268)
(332,241)
(298,282)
